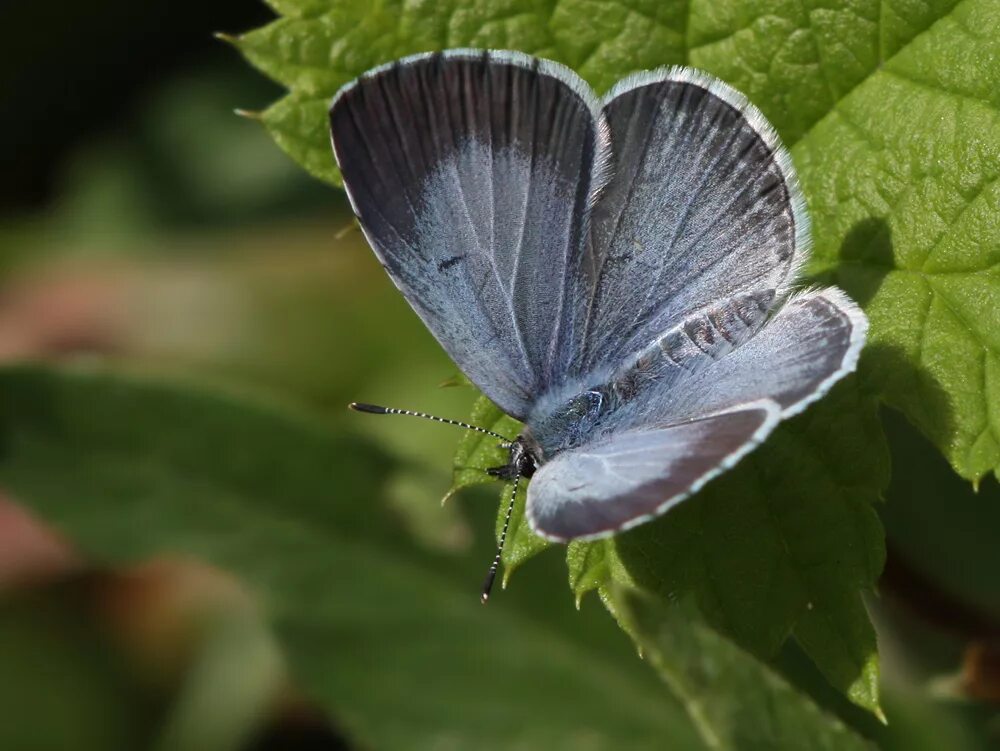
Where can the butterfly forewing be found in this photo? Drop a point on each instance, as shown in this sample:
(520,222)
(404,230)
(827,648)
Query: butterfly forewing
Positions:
(472,175)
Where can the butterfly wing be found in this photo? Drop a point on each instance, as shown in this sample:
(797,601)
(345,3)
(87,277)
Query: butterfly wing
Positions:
(633,476)
(706,408)
(809,344)
(472,175)
(702,205)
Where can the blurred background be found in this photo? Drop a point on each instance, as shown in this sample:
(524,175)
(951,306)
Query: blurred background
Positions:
(144,222)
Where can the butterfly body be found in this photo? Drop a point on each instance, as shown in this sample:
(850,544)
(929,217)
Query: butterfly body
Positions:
(617,273)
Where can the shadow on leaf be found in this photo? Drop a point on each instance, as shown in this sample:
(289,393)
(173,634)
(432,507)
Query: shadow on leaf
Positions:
(889,373)
(866,256)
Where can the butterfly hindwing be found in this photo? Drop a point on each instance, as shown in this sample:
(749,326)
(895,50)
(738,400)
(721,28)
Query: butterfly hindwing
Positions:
(626,479)
(685,425)
(811,342)
(472,174)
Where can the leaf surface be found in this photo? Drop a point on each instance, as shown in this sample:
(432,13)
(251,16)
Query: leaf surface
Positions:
(780,546)
(476,453)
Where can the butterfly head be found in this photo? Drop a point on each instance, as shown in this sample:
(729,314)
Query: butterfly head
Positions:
(523,460)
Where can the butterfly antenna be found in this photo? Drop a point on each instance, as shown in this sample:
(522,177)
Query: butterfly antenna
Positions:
(374,409)
(492,573)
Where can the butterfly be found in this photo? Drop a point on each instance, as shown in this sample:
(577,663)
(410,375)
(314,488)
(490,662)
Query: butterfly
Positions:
(617,273)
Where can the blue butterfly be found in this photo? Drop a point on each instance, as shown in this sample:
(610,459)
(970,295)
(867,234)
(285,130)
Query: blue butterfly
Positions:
(618,273)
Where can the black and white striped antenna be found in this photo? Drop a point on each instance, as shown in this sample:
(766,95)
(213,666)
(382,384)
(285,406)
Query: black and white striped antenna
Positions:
(491,575)
(374,409)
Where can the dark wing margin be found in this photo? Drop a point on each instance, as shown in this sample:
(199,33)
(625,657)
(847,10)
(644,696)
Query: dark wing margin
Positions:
(472,174)
(618,483)
(703,205)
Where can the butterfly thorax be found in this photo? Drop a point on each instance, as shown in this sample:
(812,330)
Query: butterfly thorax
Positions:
(572,417)
(569,424)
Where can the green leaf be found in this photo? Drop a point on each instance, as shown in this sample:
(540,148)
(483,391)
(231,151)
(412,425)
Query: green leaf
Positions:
(891,109)
(388,637)
(902,176)
(735,701)
(590,567)
(293,122)
(798,60)
(477,452)
(780,546)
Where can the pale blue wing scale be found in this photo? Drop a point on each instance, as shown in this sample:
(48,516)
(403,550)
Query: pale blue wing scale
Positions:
(625,480)
(703,205)
(472,174)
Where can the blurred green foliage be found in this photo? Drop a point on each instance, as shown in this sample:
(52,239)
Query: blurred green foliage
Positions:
(132,467)
(65,685)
